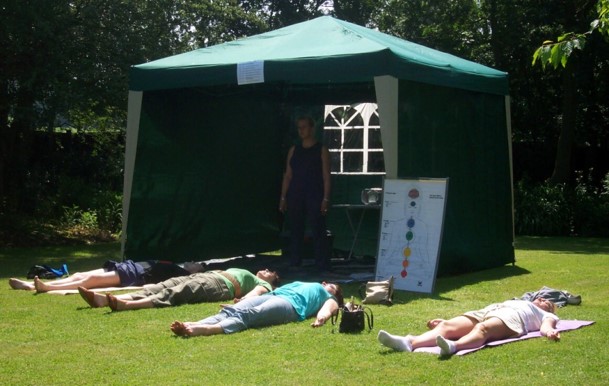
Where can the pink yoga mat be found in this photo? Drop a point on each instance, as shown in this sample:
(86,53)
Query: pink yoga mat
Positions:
(562,325)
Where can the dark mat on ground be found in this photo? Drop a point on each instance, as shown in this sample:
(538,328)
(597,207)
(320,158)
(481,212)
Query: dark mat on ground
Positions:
(342,270)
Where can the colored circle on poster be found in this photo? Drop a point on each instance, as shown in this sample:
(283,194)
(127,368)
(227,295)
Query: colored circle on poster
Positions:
(407,252)
(405,263)
(409,235)
(404,273)
(413,204)
(413,193)
(410,223)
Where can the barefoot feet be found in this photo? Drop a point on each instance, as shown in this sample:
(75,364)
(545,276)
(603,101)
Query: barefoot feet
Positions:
(95,300)
(195,329)
(179,328)
(21,284)
(113,302)
(40,285)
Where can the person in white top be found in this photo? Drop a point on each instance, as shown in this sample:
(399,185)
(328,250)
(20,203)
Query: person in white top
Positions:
(497,321)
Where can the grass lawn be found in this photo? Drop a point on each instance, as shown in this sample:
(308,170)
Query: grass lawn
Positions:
(58,340)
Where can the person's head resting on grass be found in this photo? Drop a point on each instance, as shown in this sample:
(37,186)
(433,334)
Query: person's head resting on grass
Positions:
(271,277)
(335,290)
(545,305)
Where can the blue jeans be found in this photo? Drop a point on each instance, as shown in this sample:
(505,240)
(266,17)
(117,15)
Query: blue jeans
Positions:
(259,311)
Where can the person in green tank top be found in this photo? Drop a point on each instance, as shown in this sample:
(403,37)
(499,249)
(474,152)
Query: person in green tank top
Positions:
(212,286)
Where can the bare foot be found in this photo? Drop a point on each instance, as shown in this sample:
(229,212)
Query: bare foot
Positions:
(95,300)
(100,299)
(194,329)
(40,285)
(21,284)
(178,328)
(113,302)
(433,323)
(198,329)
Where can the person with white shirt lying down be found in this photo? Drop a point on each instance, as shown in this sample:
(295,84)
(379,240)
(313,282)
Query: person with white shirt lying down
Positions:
(512,318)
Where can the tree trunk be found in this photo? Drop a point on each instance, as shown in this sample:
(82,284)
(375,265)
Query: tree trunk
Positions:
(6,137)
(562,162)
(17,144)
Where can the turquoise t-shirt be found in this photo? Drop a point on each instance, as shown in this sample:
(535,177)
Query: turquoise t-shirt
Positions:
(306,298)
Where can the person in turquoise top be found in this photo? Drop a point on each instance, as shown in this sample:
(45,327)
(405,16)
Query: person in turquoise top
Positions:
(306,298)
(292,302)
(211,286)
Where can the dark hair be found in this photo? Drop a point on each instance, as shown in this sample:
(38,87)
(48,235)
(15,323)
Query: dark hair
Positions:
(306,118)
(553,307)
(339,295)
(277,281)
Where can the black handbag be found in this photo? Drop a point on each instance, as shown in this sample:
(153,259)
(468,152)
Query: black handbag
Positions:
(353,318)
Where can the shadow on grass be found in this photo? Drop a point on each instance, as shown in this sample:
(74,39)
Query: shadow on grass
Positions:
(388,351)
(581,245)
(451,283)
(16,262)
(443,285)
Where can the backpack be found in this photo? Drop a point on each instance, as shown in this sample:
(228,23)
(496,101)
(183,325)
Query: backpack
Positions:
(46,272)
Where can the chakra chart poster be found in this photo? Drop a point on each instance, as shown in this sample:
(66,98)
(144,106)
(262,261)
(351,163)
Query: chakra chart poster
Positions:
(410,232)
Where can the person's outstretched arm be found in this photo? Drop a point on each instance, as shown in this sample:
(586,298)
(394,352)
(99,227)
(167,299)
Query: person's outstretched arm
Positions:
(325,165)
(325,312)
(285,184)
(548,329)
(257,291)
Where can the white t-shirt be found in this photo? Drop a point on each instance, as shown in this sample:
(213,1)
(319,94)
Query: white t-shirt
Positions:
(531,315)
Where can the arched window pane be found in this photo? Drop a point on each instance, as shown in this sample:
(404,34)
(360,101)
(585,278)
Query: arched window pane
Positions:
(374,139)
(352,162)
(352,134)
(354,139)
(332,139)
(376,162)
(374,120)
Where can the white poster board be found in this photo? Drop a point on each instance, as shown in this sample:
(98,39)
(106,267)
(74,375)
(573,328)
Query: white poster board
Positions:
(410,232)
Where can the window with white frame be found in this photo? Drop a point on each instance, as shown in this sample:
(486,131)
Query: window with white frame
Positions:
(353,136)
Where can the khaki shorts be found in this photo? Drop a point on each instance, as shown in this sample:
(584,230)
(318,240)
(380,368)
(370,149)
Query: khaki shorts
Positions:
(507,315)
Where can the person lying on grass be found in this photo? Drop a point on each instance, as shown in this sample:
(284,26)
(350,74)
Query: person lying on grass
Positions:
(509,319)
(212,286)
(290,303)
(112,274)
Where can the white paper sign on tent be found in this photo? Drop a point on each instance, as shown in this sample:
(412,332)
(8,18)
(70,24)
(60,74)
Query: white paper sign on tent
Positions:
(250,72)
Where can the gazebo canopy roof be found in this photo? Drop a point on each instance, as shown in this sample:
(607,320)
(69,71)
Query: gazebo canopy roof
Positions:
(319,51)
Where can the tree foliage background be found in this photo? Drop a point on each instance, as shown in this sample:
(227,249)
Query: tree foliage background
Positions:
(64,82)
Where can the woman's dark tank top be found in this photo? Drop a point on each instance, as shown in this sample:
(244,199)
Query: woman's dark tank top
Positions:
(307,176)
